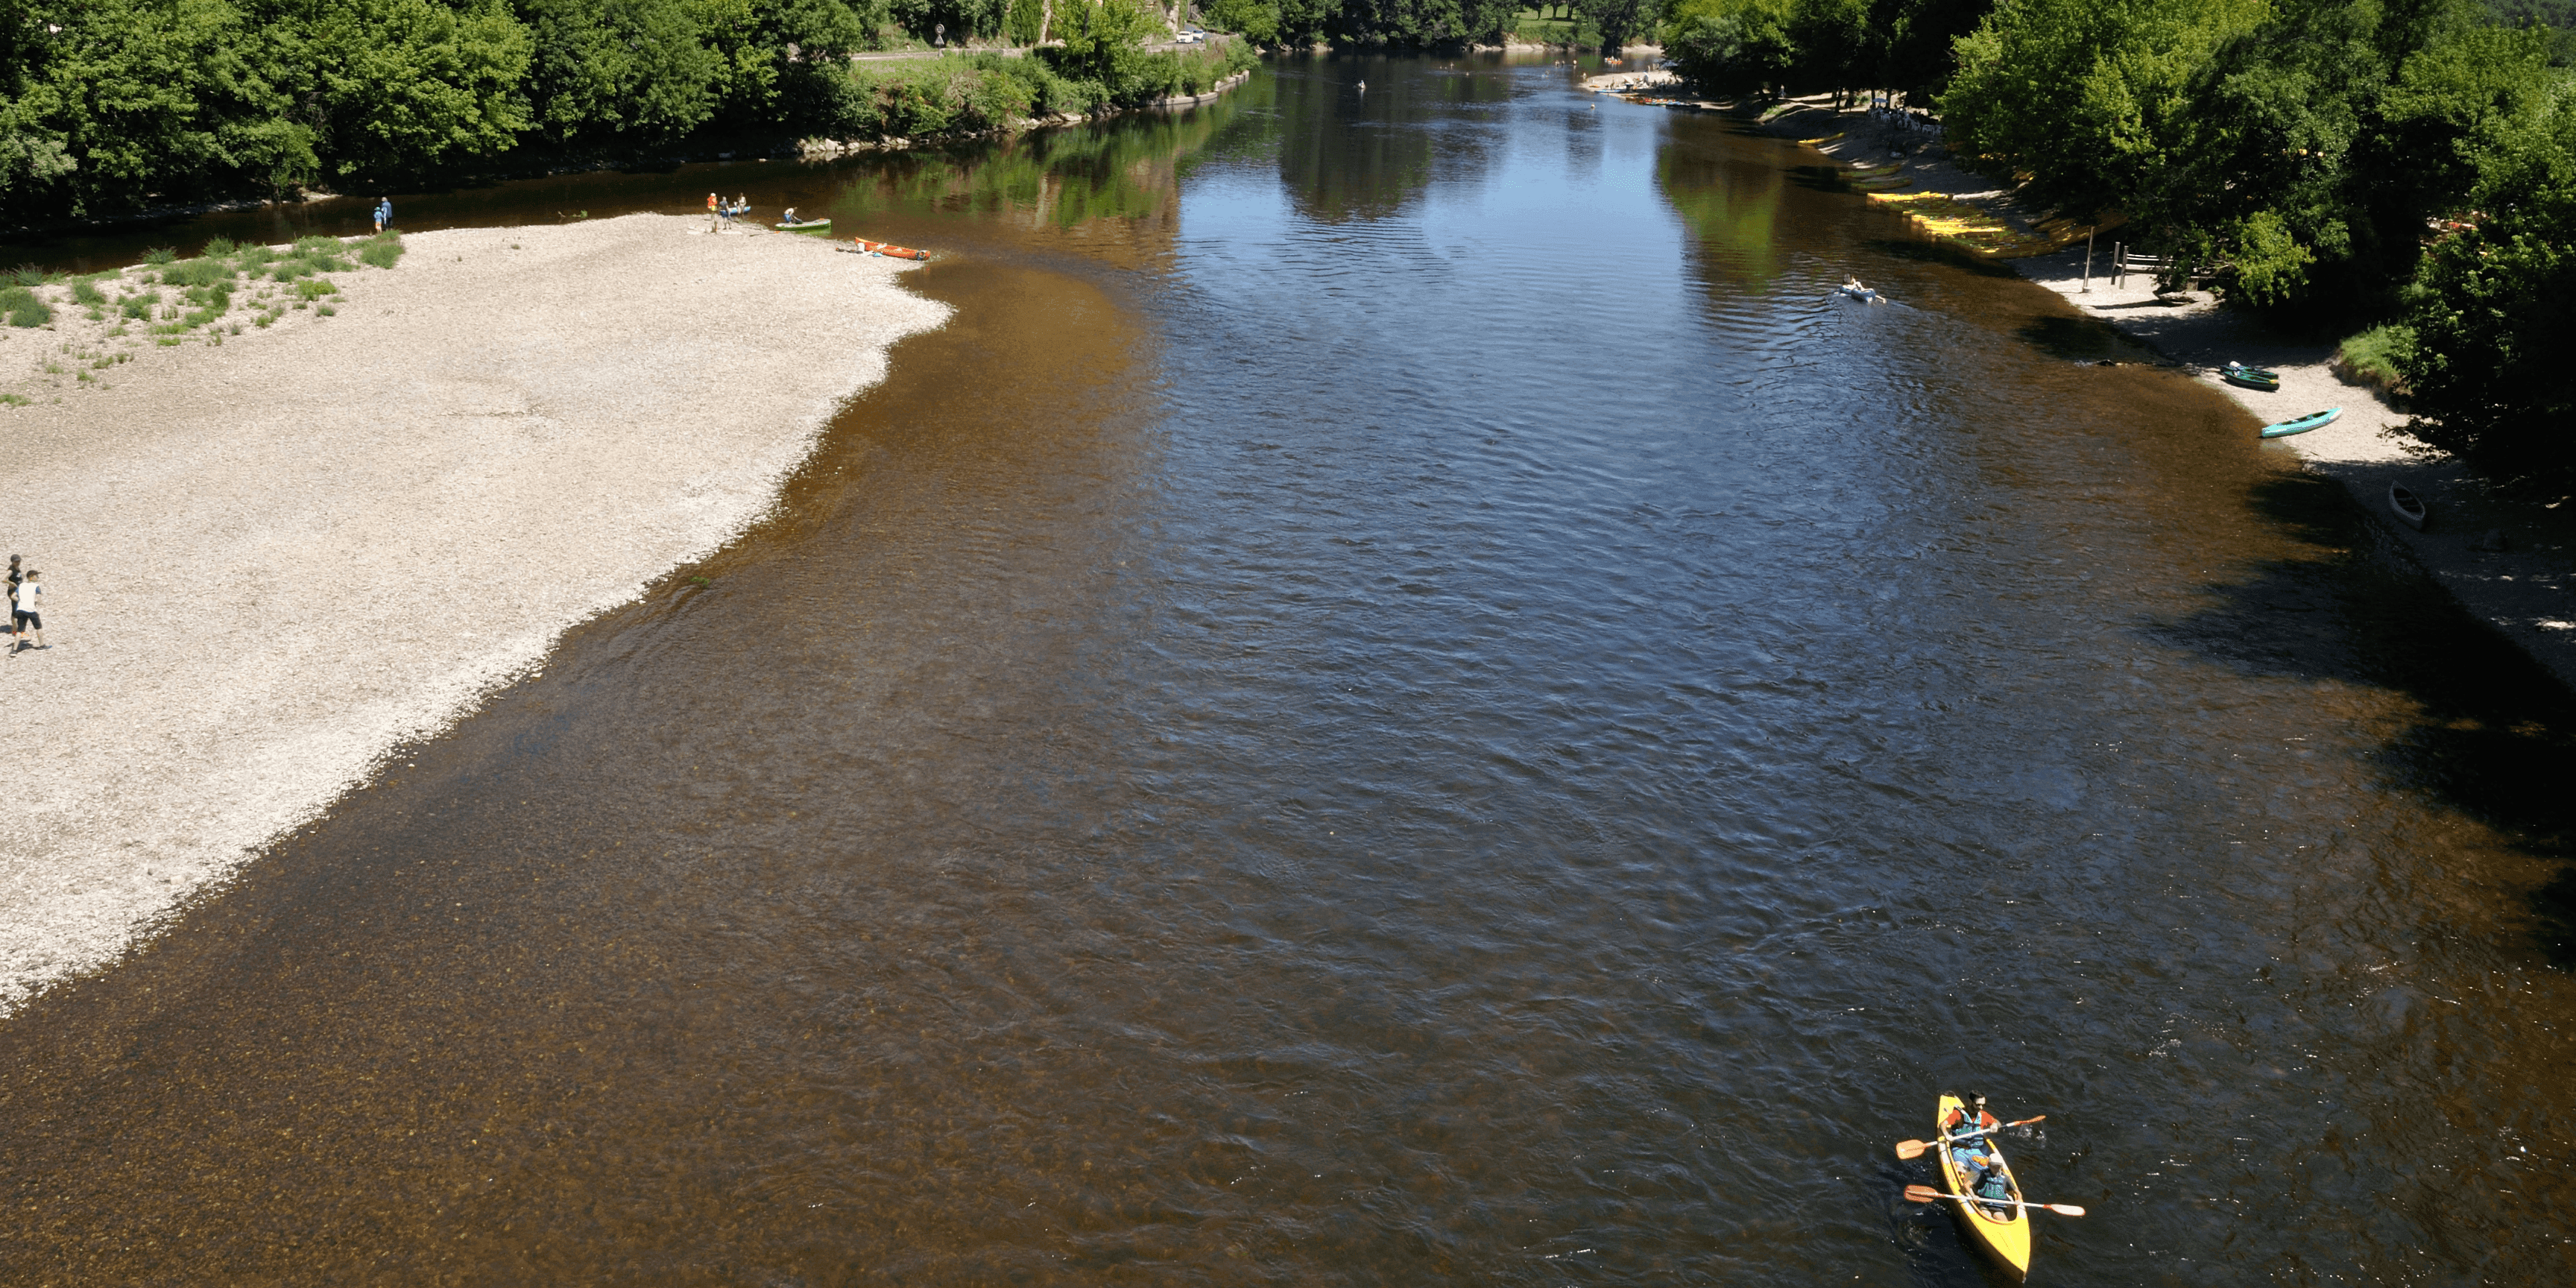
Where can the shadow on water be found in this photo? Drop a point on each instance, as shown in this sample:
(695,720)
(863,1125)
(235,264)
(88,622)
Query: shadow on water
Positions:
(2081,338)
(1923,250)
(2492,734)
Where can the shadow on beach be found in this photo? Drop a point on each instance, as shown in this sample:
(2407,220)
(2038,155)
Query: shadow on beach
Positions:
(2493,733)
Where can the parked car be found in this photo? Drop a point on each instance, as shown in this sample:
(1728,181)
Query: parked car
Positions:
(1189,37)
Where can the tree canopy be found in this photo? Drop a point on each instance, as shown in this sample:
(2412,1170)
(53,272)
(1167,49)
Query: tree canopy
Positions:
(111,105)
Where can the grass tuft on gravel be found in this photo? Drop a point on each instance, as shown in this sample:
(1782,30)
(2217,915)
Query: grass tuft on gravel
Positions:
(23,308)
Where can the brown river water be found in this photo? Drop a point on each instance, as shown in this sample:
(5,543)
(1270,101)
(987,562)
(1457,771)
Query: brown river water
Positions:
(1402,698)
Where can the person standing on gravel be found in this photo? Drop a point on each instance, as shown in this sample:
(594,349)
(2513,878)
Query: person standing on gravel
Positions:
(10,594)
(715,214)
(27,595)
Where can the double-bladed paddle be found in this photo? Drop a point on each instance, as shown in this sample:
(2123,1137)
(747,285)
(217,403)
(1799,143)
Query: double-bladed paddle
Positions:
(1915,1148)
(1927,1194)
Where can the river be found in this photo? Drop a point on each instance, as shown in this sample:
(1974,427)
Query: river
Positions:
(1404,697)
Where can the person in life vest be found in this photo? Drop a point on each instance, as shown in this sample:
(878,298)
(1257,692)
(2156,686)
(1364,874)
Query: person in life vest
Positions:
(1991,1182)
(1969,1119)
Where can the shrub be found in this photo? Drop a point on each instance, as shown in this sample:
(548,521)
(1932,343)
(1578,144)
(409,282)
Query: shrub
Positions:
(317,244)
(28,275)
(382,250)
(2375,355)
(254,258)
(197,272)
(219,246)
(23,308)
(315,289)
(160,255)
(86,291)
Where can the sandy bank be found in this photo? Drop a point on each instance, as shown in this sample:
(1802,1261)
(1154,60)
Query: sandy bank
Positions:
(269,562)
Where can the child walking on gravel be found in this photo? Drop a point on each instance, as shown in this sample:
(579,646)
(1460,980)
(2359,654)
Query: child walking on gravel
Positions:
(24,619)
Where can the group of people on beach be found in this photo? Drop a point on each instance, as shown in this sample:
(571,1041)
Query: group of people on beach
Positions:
(721,213)
(25,594)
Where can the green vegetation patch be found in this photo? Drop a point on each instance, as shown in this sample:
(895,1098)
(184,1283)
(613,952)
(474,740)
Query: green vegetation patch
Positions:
(197,272)
(24,308)
(382,250)
(2373,356)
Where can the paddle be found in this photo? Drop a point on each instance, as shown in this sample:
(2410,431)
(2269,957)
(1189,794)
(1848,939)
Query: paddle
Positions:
(1927,1194)
(1915,1148)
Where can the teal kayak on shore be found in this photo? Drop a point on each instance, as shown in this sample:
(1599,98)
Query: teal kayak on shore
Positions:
(2303,424)
(803,226)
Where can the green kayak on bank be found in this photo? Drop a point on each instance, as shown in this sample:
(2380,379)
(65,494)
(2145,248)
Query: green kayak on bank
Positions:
(2237,373)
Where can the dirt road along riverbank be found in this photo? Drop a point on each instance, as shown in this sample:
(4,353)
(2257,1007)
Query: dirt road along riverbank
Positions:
(269,563)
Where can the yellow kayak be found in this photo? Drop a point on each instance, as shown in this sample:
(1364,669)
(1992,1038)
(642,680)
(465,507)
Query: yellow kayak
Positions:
(2005,1234)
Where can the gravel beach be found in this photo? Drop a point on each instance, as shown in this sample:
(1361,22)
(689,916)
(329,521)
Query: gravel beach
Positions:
(269,562)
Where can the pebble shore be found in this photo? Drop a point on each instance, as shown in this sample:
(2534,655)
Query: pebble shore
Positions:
(269,563)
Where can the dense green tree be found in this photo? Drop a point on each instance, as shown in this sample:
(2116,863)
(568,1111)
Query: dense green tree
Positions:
(1257,20)
(2494,303)
(1102,40)
(117,103)
(2087,99)
(2317,143)
(1619,21)
(1732,47)
(609,67)
(1913,43)
(399,84)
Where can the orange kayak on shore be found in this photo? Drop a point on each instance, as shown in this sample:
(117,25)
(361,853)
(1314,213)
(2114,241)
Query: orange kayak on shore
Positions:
(889,249)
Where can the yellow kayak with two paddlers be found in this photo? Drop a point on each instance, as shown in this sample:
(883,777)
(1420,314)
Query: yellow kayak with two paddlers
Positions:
(2004,1231)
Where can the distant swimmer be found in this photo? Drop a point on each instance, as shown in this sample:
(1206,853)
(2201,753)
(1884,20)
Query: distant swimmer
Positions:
(1363,87)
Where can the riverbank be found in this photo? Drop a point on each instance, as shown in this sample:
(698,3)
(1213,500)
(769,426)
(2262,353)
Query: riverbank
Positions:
(270,562)
(2509,558)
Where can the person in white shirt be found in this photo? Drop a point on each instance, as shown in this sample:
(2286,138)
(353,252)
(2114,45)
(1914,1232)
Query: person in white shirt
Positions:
(24,620)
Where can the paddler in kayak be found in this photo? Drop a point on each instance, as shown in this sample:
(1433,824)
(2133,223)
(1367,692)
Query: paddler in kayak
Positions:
(1969,1119)
(1991,1182)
